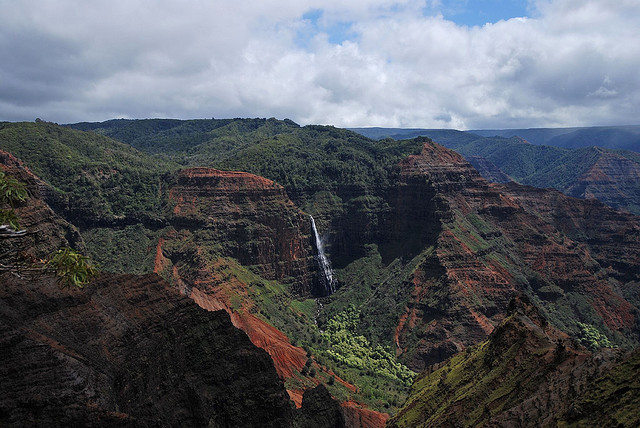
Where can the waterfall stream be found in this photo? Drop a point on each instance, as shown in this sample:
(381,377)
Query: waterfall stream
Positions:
(327,281)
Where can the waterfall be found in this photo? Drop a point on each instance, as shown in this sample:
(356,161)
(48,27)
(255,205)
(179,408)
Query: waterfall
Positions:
(327,281)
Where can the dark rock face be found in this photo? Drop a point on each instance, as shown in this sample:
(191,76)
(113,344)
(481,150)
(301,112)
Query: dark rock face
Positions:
(319,410)
(128,351)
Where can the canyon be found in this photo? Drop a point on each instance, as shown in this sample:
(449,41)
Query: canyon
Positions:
(427,252)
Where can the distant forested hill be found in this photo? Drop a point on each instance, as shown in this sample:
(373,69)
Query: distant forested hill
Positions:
(93,176)
(303,159)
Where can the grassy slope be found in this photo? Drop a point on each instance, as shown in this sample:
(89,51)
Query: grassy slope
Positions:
(475,383)
(613,399)
(476,390)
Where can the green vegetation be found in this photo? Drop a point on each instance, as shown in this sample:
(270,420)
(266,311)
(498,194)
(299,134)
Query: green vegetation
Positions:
(71,268)
(96,177)
(11,192)
(350,349)
(306,160)
(592,338)
(128,249)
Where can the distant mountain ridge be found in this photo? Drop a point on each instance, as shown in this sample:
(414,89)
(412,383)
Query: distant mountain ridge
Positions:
(611,137)
(576,165)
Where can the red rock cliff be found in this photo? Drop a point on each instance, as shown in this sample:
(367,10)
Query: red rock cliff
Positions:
(580,258)
(124,351)
(248,218)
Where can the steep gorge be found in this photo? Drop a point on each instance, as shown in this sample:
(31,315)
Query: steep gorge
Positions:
(497,240)
(236,242)
(427,250)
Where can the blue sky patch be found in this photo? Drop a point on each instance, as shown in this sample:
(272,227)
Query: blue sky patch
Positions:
(479,12)
(337,32)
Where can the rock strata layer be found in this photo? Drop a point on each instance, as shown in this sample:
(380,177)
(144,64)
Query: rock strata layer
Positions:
(128,351)
(579,259)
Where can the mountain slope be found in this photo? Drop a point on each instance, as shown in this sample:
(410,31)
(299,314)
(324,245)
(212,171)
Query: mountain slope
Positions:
(610,176)
(96,179)
(496,240)
(128,351)
(525,374)
(124,351)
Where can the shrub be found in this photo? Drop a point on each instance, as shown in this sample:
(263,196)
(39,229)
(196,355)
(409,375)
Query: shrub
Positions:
(11,191)
(71,268)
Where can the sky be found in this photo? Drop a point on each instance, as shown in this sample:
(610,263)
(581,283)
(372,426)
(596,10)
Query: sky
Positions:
(462,64)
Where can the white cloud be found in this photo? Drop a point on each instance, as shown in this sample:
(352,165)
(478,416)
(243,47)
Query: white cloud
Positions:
(573,63)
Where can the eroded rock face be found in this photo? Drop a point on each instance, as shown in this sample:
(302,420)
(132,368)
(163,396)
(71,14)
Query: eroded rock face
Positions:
(227,222)
(248,218)
(46,231)
(125,351)
(128,351)
(488,169)
(580,259)
(218,214)
(612,179)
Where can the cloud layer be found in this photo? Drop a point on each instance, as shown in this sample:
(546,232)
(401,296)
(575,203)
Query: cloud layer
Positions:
(355,63)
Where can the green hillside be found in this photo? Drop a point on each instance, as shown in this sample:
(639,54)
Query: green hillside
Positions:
(526,374)
(305,160)
(95,177)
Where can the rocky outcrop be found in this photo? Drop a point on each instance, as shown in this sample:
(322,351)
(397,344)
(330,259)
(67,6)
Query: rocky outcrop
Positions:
(319,410)
(526,373)
(578,258)
(128,351)
(246,217)
(45,231)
